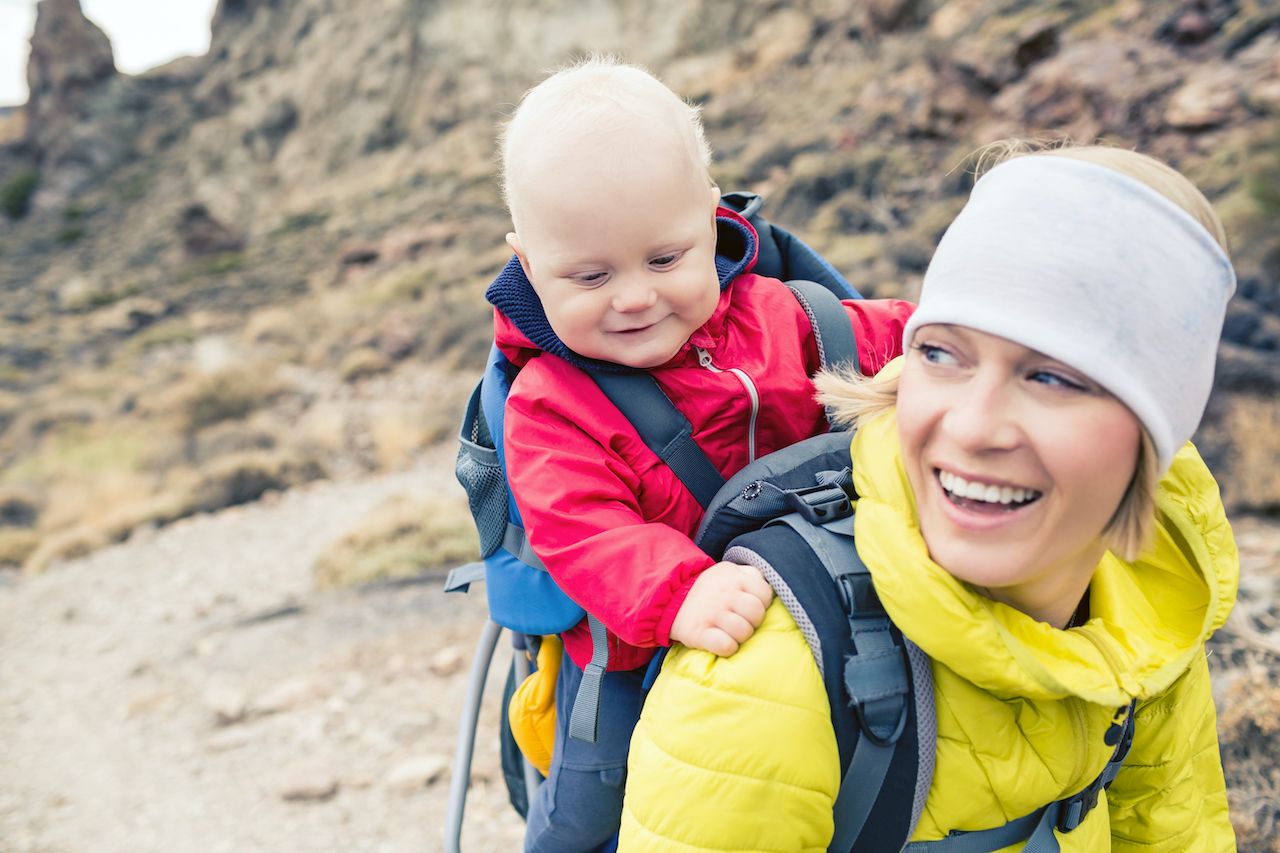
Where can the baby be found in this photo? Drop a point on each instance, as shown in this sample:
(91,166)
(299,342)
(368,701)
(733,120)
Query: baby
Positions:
(624,261)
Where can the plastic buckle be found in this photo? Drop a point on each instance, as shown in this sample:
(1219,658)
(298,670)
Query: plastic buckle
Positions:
(1076,809)
(887,697)
(865,724)
(820,504)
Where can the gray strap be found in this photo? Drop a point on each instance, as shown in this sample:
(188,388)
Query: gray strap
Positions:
(986,840)
(586,705)
(515,541)
(858,791)
(1037,828)
(663,428)
(461,578)
(832,329)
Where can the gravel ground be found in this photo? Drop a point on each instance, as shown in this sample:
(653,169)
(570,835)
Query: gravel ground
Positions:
(187,690)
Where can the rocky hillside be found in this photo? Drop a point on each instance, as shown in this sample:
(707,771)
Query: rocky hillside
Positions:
(248,269)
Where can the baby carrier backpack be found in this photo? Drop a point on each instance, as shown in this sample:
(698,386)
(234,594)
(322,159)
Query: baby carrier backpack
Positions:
(790,514)
(522,596)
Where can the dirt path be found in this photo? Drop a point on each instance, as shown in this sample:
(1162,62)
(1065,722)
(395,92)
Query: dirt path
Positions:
(188,691)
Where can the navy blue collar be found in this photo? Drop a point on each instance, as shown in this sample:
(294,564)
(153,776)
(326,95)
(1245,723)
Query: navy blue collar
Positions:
(513,295)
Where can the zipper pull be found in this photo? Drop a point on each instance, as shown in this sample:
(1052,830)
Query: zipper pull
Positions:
(704,357)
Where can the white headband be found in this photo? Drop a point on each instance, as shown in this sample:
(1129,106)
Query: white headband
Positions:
(1097,270)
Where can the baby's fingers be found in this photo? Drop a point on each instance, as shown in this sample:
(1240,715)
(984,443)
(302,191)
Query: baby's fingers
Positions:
(749,607)
(718,642)
(754,583)
(735,625)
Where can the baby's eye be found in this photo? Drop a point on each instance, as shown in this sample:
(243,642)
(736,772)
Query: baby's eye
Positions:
(663,262)
(1048,377)
(590,279)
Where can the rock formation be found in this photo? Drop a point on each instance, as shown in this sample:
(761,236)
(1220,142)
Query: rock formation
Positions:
(70,62)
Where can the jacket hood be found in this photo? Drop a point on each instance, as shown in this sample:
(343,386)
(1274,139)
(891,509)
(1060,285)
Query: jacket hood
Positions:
(1147,619)
(520,324)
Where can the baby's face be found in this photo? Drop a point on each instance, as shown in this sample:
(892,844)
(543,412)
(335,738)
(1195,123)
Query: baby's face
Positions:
(620,247)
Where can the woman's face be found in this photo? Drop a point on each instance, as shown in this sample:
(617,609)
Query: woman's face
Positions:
(1017,462)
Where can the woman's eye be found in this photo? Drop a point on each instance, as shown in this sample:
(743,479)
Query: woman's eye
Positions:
(1048,377)
(934,354)
(666,261)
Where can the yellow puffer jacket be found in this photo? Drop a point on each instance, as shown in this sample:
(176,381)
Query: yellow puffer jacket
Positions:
(738,754)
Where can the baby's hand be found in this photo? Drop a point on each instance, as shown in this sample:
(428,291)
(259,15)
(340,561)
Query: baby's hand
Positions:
(724,607)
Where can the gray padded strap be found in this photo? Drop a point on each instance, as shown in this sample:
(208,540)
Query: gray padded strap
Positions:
(586,705)
(515,541)
(461,578)
(832,329)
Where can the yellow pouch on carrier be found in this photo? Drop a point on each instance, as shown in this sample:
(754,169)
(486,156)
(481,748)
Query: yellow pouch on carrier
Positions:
(532,711)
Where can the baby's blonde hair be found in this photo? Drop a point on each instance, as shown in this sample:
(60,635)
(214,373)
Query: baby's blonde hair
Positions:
(854,399)
(590,94)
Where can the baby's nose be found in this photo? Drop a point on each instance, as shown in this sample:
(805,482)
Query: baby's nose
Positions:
(633,296)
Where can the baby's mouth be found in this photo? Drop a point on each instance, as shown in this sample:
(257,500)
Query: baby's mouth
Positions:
(982,497)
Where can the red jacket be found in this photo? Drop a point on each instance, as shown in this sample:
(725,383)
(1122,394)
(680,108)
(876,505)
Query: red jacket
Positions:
(609,519)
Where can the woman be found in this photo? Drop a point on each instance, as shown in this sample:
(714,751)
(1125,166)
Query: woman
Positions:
(1034,519)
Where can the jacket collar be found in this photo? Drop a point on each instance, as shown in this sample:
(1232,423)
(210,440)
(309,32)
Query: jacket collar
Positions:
(526,330)
(1147,618)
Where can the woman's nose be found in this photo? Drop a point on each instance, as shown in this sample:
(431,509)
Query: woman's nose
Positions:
(633,295)
(981,418)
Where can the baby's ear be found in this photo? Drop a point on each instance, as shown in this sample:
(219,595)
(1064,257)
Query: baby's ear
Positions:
(514,242)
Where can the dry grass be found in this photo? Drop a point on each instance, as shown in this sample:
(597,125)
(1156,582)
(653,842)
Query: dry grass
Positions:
(362,363)
(203,400)
(16,545)
(1249,729)
(1253,423)
(399,539)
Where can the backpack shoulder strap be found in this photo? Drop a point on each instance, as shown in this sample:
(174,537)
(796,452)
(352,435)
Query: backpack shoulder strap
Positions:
(663,428)
(837,342)
(667,432)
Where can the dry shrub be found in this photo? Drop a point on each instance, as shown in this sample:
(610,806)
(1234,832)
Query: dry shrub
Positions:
(16,545)
(1249,731)
(206,399)
(228,437)
(19,506)
(323,426)
(243,477)
(274,325)
(400,429)
(361,363)
(33,423)
(400,538)
(96,501)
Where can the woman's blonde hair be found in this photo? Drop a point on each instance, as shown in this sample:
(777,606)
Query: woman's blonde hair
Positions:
(855,399)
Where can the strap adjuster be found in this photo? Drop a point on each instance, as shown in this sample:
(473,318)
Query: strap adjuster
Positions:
(820,504)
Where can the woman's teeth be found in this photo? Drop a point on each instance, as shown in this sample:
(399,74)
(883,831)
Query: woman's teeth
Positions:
(962,488)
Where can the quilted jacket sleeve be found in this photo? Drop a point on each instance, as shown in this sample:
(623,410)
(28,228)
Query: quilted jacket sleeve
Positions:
(1170,795)
(878,325)
(734,753)
(578,500)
